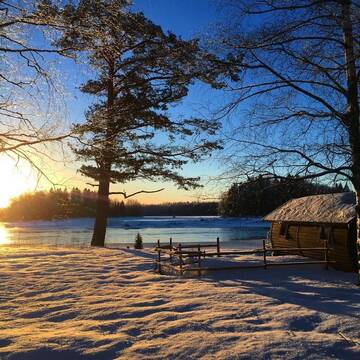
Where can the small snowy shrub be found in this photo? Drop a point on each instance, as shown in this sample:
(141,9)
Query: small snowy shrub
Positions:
(138,242)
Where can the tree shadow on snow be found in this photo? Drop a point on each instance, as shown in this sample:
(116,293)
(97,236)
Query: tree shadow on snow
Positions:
(140,253)
(61,354)
(46,353)
(312,287)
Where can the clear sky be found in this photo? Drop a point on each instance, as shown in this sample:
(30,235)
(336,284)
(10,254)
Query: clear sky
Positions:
(186,18)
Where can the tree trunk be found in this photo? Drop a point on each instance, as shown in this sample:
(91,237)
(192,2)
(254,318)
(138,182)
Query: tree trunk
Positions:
(357,192)
(102,208)
(356,183)
(352,115)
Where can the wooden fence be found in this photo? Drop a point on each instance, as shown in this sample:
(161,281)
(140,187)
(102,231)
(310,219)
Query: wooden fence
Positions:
(179,259)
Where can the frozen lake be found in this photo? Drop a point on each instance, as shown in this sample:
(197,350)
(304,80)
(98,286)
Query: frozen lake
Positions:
(237,232)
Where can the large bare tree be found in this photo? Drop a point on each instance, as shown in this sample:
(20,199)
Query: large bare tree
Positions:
(27,30)
(298,102)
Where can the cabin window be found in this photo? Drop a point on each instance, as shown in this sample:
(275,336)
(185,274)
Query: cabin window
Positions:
(284,230)
(325,232)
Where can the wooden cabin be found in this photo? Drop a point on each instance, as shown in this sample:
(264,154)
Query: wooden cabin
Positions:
(309,221)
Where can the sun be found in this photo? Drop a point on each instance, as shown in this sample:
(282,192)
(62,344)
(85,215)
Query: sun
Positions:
(15,179)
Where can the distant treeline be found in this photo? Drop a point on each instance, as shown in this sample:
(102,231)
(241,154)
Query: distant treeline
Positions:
(62,204)
(181,209)
(261,195)
(53,204)
(256,197)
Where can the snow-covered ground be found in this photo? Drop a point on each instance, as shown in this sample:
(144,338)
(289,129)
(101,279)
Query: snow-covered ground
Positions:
(84,303)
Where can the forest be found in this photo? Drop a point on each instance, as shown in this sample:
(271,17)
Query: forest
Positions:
(255,197)
(259,196)
(63,204)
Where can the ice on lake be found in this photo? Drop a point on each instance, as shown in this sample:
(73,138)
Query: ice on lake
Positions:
(235,231)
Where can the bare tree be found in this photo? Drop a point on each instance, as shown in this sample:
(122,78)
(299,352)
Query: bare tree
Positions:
(27,29)
(300,79)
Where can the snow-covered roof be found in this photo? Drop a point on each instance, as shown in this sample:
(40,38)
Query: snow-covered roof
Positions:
(327,208)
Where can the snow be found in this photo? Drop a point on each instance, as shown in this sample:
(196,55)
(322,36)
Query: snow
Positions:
(86,303)
(327,208)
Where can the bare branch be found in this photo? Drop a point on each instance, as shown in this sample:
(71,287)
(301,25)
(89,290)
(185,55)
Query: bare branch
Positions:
(123,193)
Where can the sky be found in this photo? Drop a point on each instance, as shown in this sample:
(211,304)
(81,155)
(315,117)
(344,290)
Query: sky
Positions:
(186,18)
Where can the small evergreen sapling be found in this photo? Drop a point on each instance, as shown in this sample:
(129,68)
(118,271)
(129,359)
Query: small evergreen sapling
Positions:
(138,242)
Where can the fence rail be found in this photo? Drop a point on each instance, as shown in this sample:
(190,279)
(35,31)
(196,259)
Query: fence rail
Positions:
(179,259)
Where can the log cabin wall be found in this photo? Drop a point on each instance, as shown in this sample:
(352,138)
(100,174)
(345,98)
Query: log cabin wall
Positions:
(304,235)
(352,243)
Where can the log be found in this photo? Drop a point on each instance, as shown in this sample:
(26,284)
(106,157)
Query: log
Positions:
(350,341)
(295,248)
(299,263)
(196,246)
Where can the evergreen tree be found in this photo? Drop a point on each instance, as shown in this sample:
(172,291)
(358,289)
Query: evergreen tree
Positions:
(261,195)
(138,242)
(140,70)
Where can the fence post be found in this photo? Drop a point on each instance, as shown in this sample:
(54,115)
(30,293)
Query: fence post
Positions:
(159,261)
(170,250)
(218,246)
(264,250)
(199,261)
(158,243)
(326,255)
(180,260)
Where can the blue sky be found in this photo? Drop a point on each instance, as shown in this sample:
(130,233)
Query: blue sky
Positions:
(186,17)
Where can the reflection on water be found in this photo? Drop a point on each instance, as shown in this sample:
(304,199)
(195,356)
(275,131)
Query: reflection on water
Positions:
(123,230)
(4,235)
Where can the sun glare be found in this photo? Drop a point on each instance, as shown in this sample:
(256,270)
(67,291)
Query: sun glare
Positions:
(4,238)
(15,179)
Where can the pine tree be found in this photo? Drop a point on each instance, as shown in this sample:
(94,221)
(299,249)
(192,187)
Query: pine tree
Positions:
(138,242)
(140,70)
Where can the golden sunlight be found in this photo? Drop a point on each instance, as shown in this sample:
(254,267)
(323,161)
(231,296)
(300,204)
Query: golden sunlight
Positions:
(15,179)
(4,238)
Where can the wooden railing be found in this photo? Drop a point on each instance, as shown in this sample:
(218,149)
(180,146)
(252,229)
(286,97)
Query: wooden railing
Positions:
(179,258)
